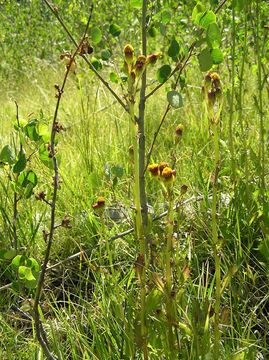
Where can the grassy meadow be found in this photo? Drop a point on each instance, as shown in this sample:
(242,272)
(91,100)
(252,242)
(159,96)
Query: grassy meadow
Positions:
(192,281)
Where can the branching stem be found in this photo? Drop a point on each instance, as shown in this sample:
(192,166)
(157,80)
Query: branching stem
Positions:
(41,336)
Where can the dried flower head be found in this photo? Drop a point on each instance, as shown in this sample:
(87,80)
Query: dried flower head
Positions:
(129,54)
(151,59)
(100,204)
(66,57)
(168,174)
(85,48)
(140,64)
(179,130)
(162,165)
(184,189)
(154,169)
(66,222)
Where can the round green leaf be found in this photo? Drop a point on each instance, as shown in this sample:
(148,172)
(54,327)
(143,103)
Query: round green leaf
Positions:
(30,130)
(7,254)
(18,261)
(217,56)
(7,155)
(213,35)
(163,73)
(21,162)
(33,264)
(152,31)
(113,77)
(206,18)
(25,273)
(117,171)
(96,35)
(137,4)
(205,60)
(114,30)
(105,54)
(96,63)
(173,48)
(175,99)
(44,156)
(27,177)
(198,9)
(166,17)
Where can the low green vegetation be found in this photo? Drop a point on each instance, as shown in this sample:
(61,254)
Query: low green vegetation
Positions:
(134,219)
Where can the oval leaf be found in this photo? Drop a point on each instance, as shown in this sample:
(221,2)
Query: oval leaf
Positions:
(96,64)
(163,73)
(96,35)
(175,99)
(173,48)
(166,17)
(105,54)
(113,77)
(217,56)
(206,18)
(213,36)
(205,60)
(137,4)
(21,163)
(114,30)
(7,155)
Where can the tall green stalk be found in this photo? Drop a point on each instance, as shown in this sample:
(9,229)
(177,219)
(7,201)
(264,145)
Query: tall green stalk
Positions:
(141,261)
(168,270)
(215,239)
(260,96)
(213,96)
(231,118)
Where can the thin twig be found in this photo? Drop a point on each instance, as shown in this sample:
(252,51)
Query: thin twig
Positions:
(54,10)
(41,336)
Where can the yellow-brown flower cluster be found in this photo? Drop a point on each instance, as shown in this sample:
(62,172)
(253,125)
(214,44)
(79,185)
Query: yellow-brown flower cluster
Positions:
(99,206)
(136,67)
(162,172)
(212,88)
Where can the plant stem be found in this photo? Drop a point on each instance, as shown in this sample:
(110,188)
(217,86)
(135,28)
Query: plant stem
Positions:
(231,118)
(260,99)
(215,239)
(41,335)
(141,123)
(168,270)
(15,197)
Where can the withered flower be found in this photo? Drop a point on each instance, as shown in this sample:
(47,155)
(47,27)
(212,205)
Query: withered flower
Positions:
(151,59)
(154,169)
(99,206)
(129,54)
